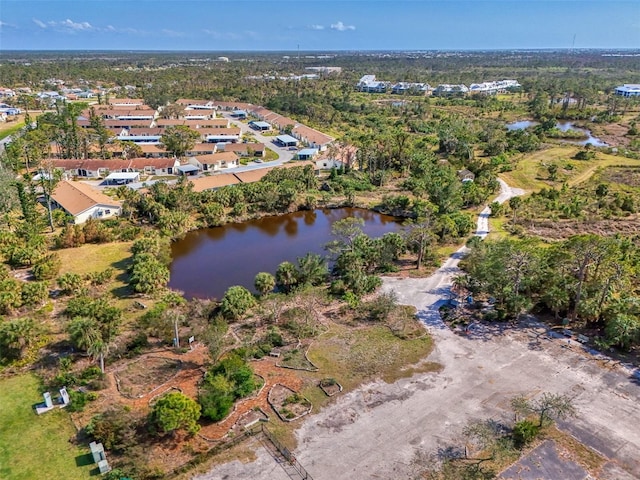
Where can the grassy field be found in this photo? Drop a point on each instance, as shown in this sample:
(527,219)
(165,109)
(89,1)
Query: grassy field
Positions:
(33,446)
(92,258)
(95,258)
(531,171)
(10,128)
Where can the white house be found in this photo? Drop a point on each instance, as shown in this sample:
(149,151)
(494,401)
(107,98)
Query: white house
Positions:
(628,90)
(215,161)
(369,84)
(83,202)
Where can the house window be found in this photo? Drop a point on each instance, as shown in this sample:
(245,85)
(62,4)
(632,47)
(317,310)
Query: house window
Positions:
(107,212)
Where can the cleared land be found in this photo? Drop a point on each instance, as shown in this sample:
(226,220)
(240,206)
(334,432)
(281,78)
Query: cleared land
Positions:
(531,171)
(33,446)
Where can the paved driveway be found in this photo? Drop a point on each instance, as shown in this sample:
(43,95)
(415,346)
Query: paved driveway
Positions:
(284,154)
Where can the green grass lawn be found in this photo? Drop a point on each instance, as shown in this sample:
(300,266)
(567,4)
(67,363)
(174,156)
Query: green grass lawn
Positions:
(10,129)
(36,446)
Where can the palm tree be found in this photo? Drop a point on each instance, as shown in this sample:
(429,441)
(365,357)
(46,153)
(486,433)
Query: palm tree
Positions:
(286,276)
(312,269)
(87,334)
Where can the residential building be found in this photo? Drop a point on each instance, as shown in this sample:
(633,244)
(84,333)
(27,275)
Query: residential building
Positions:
(446,90)
(244,149)
(628,90)
(408,88)
(369,84)
(83,201)
(215,161)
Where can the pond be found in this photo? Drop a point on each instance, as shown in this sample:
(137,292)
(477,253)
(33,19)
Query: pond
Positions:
(208,261)
(563,127)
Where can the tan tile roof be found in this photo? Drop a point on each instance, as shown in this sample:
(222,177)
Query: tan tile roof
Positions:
(243,147)
(252,175)
(140,163)
(212,122)
(145,131)
(214,181)
(76,197)
(204,147)
(311,135)
(214,158)
(151,148)
(219,131)
(130,101)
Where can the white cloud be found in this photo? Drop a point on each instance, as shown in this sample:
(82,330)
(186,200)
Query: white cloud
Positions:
(5,24)
(317,27)
(243,35)
(71,25)
(68,25)
(172,33)
(341,27)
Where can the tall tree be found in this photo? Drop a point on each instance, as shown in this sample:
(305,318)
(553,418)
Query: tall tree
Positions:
(178,139)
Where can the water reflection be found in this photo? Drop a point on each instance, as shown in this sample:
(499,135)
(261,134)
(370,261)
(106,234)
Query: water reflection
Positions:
(206,262)
(563,127)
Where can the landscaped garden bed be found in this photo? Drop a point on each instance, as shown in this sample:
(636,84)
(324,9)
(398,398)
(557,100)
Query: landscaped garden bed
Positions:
(330,386)
(143,376)
(288,404)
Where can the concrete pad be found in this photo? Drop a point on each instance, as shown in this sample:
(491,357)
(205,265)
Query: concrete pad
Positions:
(544,463)
(265,466)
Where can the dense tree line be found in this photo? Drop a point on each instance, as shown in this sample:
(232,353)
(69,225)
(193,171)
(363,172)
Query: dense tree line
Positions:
(590,280)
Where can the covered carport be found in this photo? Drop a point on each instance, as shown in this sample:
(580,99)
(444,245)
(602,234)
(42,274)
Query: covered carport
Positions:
(121,178)
(287,141)
(188,170)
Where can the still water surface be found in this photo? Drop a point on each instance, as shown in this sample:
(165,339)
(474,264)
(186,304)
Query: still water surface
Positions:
(208,261)
(563,127)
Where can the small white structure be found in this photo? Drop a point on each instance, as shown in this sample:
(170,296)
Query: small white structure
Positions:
(99,457)
(97,451)
(64,397)
(47,400)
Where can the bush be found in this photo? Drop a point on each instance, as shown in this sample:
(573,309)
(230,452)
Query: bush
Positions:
(47,267)
(78,400)
(524,432)
(34,293)
(70,283)
(175,411)
(236,301)
(115,429)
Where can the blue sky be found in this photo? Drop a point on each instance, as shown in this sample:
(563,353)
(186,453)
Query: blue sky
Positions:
(317,24)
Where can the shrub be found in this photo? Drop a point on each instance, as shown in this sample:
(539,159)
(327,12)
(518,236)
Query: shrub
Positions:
(34,293)
(175,411)
(524,432)
(47,267)
(236,301)
(70,283)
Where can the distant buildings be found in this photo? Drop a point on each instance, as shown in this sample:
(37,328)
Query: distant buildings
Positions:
(369,84)
(491,88)
(407,88)
(628,90)
(446,90)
